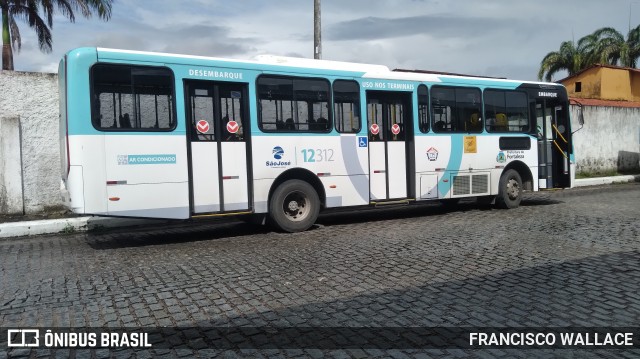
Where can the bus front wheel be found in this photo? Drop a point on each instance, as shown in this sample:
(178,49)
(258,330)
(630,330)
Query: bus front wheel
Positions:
(294,206)
(509,190)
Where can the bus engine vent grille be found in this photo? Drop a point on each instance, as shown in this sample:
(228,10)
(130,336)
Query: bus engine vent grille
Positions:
(479,184)
(474,184)
(461,185)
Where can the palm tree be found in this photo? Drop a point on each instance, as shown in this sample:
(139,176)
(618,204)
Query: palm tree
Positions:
(31,11)
(570,57)
(605,45)
(615,50)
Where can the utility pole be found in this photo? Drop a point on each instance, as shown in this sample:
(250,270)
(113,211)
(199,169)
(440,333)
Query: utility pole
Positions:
(317,31)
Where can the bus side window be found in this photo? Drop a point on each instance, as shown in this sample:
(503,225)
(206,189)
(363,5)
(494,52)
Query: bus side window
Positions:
(506,111)
(454,106)
(443,101)
(133,98)
(302,101)
(423,108)
(346,107)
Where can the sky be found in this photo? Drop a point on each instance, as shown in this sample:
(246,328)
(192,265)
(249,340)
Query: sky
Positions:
(500,38)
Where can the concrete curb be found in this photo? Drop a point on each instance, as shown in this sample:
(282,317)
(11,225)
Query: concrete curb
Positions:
(68,225)
(598,181)
(83,224)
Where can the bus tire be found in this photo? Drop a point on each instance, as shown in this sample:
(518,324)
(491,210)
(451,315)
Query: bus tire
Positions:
(509,190)
(294,206)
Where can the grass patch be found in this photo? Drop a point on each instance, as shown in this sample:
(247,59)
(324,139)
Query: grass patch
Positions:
(69,229)
(609,173)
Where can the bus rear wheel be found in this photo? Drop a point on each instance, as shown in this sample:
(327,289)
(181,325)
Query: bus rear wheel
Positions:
(509,190)
(294,206)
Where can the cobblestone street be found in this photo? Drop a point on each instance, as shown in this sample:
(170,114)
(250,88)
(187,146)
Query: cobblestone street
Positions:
(563,259)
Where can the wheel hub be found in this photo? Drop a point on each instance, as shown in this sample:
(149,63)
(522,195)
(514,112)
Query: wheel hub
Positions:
(293,206)
(513,190)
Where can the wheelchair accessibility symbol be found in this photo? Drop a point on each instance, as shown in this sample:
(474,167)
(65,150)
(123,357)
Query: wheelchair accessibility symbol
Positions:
(362,141)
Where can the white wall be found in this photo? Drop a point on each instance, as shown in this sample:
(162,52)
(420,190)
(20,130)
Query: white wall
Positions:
(11,199)
(609,140)
(33,97)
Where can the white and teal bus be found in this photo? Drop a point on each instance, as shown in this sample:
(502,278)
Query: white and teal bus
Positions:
(160,135)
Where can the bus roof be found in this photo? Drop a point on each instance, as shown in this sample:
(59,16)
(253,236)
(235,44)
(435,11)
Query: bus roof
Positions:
(267,60)
(370,71)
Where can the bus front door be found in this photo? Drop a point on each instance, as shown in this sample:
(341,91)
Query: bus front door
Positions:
(217,119)
(553,143)
(390,137)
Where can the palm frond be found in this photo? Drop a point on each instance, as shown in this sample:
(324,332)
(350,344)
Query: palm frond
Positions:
(14,31)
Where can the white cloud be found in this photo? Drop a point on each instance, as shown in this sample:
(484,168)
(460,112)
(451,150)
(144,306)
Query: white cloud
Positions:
(489,37)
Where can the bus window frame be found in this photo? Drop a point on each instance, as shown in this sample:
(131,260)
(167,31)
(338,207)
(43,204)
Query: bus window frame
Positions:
(330,120)
(358,107)
(454,88)
(132,129)
(429,127)
(527,107)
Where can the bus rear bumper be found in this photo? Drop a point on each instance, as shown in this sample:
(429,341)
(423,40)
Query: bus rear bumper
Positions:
(64,195)
(72,190)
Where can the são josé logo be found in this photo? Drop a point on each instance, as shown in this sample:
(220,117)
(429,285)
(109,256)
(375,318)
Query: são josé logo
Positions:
(278,153)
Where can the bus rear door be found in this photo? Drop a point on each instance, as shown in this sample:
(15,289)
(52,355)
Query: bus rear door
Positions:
(217,118)
(390,138)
